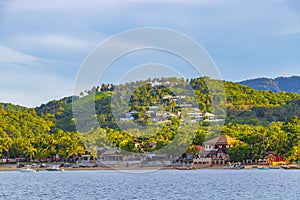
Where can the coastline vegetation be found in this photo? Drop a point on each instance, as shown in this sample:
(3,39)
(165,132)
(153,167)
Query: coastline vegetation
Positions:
(262,120)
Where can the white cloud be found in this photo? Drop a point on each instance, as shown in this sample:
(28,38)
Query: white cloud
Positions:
(234,32)
(54,47)
(181,2)
(79,5)
(66,5)
(29,88)
(53,41)
(28,80)
(9,56)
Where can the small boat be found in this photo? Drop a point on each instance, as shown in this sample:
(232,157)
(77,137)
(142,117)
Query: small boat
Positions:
(27,170)
(274,167)
(263,168)
(290,166)
(294,167)
(235,167)
(55,169)
(184,168)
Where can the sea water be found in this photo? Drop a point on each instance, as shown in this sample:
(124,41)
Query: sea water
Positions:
(211,184)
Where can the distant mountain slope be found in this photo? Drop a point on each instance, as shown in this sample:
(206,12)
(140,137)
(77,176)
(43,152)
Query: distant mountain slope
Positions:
(244,104)
(280,84)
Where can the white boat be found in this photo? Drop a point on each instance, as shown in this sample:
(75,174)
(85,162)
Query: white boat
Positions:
(55,169)
(235,167)
(27,170)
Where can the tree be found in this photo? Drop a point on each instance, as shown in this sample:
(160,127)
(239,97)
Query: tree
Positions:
(240,152)
(199,136)
(295,153)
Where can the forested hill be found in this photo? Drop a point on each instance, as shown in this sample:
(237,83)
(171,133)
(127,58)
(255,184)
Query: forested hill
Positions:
(244,105)
(252,116)
(280,84)
(9,106)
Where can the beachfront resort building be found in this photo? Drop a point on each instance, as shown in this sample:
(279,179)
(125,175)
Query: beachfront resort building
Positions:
(215,151)
(218,147)
(107,156)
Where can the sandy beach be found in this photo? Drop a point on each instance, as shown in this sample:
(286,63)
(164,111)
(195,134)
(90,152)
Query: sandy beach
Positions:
(134,167)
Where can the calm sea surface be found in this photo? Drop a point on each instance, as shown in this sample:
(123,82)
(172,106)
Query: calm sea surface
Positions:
(163,184)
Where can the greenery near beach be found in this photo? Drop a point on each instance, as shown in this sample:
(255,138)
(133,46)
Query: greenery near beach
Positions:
(261,121)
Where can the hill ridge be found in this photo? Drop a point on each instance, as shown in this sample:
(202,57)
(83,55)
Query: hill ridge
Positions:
(278,84)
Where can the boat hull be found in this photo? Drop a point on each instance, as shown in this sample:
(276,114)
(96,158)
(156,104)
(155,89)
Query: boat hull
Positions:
(54,170)
(27,170)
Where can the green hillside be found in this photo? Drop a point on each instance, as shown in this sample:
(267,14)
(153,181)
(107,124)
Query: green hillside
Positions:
(263,120)
(25,134)
(243,104)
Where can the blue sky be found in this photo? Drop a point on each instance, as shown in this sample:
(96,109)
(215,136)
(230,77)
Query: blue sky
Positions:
(43,43)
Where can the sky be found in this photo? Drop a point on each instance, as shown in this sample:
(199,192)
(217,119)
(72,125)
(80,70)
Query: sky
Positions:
(44,43)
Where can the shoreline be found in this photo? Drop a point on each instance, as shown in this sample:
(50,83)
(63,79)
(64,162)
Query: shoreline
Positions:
(135,168)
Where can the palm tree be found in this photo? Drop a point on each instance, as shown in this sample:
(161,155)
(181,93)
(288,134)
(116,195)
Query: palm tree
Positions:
(5,143)
(30,151)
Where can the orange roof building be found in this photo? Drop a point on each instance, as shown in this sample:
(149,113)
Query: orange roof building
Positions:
(217,148)
(221,140)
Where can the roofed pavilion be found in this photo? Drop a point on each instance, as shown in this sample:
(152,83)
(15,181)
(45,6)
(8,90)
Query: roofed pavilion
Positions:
(219,142)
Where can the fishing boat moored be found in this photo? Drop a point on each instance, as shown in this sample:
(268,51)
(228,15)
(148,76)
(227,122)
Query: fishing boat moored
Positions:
(235,167)
(290,166)
(27,170)
(55,169)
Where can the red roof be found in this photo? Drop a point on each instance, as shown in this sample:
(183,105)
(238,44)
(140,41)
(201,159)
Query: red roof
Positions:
(199,147)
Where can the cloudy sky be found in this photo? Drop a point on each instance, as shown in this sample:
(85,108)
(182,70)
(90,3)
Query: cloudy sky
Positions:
(43,43)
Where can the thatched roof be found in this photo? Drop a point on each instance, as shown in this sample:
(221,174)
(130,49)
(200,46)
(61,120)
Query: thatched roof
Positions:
(111,152)
(221,140)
